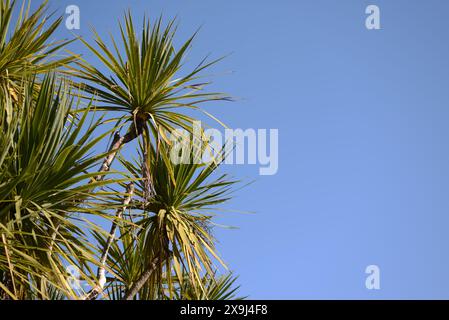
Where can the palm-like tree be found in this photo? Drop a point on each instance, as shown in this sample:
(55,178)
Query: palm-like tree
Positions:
(44,161)
(143,84)
(49,188)
(24,49)
(168,234)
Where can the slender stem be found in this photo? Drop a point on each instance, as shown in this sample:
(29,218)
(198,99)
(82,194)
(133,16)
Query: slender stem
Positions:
(135,288)
(126,201)
(117,142)
(101,273)
(134,130)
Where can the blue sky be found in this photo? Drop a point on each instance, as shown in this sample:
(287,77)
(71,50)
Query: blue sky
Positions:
(363,119)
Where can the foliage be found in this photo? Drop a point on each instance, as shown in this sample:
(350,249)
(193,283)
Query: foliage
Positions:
(43,188)
(51,194)
(27,51)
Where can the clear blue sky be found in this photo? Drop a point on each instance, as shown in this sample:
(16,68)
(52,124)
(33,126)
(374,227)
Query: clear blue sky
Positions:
(363,119)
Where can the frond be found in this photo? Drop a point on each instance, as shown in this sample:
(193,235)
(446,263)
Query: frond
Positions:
(145,81)
(220,287)
(44,190)
(174,226)
(25,49)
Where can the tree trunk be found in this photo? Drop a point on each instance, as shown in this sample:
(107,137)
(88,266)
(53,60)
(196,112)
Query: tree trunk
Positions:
(135,288)
(101,273)
(135,130)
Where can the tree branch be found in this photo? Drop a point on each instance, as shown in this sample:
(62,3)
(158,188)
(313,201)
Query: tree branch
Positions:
(135,288)
(101,273)
(134,130)
(118,141)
